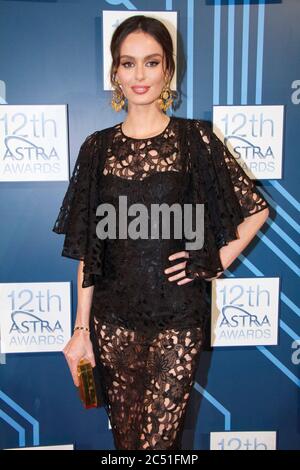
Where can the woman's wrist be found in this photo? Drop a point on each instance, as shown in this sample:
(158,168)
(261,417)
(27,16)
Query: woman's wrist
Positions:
(81,328)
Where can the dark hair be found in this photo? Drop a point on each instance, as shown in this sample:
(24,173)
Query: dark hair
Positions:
(149,25)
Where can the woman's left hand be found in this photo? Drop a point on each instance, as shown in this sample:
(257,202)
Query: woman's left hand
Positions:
(179,266)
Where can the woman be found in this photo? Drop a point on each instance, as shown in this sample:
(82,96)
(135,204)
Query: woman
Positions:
(142,303)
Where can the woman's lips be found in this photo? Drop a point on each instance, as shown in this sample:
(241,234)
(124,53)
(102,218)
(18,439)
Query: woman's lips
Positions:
(140,90)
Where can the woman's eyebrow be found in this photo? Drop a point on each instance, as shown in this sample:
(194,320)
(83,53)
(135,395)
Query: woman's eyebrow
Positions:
(146,57)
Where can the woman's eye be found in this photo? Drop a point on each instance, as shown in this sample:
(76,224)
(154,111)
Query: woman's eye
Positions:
(151,62)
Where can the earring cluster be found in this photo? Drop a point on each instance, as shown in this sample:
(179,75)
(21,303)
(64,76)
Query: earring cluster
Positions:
(164,101)
(165,98)
(118,98)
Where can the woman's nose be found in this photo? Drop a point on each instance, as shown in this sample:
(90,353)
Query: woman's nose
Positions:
(139,72)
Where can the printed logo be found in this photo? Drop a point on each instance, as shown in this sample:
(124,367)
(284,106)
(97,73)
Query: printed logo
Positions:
(33,143)
(296,352)
(254,135)
(58,447)
(35,317)
(254,440)
(116,223)
(245,311)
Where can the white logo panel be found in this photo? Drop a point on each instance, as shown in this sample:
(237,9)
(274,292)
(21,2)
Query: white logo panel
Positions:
(253,440)
(58,447)
(35,317)
(245,311)
(34,143)
(254,135)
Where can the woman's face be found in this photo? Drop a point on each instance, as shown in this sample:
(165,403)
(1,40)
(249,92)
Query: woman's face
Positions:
(138,69)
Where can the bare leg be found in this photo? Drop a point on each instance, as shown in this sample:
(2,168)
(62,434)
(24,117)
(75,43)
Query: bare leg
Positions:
(148,384)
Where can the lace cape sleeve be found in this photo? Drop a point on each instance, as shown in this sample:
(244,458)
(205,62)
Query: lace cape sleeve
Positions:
(77,215)
(228,194)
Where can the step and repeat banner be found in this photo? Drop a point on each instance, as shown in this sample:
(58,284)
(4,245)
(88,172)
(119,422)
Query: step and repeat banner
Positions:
(242,73)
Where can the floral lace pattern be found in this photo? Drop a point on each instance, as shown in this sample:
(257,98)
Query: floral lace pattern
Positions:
(207,174)
(148,384)
(228,195)
(136,159)
(148,330)
(77,215)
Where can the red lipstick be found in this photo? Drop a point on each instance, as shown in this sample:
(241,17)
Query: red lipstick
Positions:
(140,90)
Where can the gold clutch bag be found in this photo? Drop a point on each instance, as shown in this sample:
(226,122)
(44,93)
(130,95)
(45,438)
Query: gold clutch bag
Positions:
(89,387)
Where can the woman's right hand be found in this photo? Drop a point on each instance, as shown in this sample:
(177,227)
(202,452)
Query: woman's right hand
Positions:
(78,347)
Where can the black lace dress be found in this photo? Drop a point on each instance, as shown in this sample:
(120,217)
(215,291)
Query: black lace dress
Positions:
(148,332)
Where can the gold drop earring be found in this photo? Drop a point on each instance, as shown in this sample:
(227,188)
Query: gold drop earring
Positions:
(165,98)
(118,98)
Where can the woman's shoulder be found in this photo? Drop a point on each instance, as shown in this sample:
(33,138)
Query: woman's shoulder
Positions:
(94,139)
(194,122)
(200,129)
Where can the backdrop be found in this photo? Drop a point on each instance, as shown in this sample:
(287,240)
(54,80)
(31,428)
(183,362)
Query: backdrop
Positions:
(238,53)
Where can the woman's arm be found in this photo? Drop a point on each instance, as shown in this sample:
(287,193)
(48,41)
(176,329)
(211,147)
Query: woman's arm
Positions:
(80,346)
(228,253)
(84,301)
(246,230)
